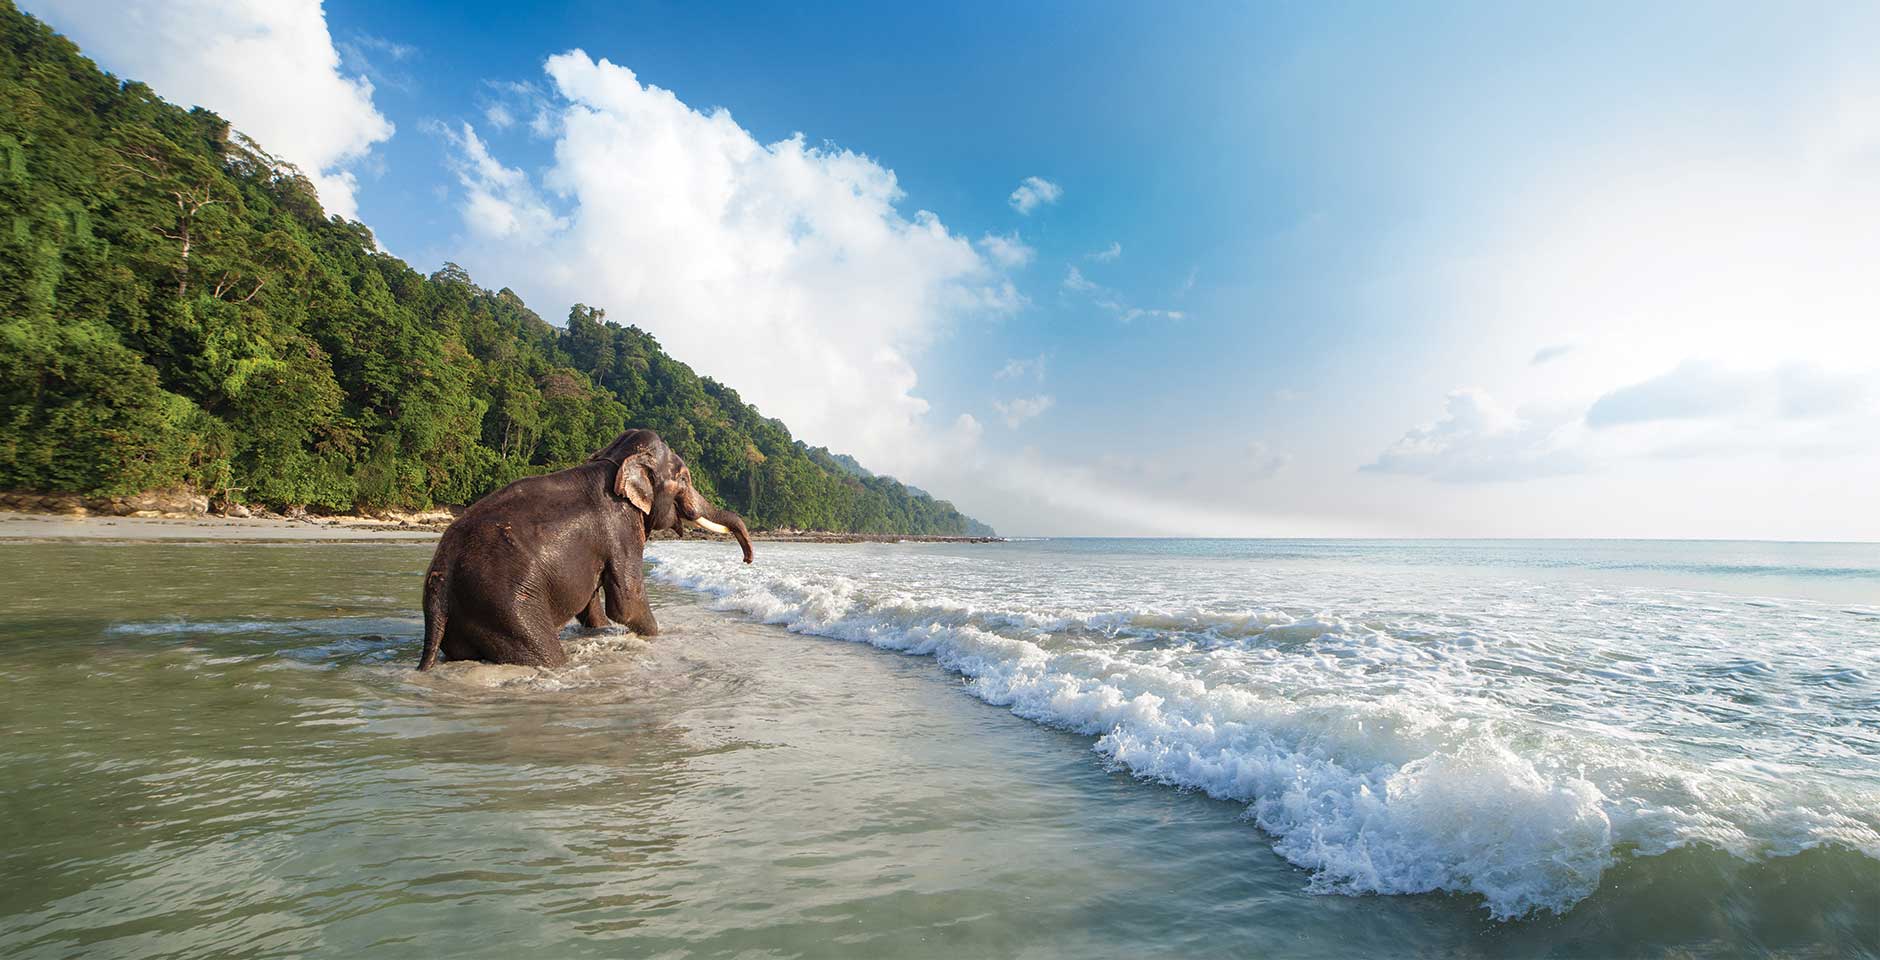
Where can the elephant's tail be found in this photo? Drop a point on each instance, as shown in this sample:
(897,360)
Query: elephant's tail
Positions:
(436,613)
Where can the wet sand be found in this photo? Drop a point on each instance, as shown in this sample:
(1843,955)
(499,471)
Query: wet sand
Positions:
(36,526)
(41,526)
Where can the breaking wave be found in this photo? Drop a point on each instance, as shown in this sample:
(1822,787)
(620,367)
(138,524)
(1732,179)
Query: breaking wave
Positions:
(1387,751)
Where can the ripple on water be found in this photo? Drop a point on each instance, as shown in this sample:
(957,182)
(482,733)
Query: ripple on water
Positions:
(1385,749)
(1531,766)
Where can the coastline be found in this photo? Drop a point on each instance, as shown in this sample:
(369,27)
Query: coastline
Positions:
(800,705)
(25,526)
(42,526)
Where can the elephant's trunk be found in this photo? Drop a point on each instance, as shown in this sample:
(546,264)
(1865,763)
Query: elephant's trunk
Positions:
(718,520)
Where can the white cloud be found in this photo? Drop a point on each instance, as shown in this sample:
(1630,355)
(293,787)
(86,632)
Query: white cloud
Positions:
(1745,244)
(1034,192)
(1264,461)
(1698,391)
(1109,300)
(366,55)
(391,48)
(1554,352)
(267,66)
(1147,495)
(1132,314)
(1691,242)
(966,432)
(1478,440)
(499,202)
(1107,254)
(1007,251)
(1022,409)
(1693,411)
(1014,369)
(506,102)
(1805,392)
(784,269)
(1692,391)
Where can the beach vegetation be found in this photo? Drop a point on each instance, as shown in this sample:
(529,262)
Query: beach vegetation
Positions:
(176,308)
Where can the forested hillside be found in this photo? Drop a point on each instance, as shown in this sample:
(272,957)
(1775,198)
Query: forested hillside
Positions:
(175,307)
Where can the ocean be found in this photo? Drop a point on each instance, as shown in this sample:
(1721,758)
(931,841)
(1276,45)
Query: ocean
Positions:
(1034,748)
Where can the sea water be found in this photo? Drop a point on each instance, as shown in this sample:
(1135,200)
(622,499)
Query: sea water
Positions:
(1505,720)
(1050,748)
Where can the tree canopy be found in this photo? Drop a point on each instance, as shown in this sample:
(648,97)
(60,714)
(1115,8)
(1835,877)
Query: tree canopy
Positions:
(175,307)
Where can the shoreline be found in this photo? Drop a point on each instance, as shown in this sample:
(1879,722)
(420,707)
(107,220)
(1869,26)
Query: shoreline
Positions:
(17,526)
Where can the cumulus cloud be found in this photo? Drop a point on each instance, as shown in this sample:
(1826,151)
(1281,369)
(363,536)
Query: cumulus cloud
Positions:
(499,202)
(1022,409)
(267,66)
(1476,440)
(1034,192)
(966,432)
(1107,254)
(785,269)
(1007,251)
(1014,369)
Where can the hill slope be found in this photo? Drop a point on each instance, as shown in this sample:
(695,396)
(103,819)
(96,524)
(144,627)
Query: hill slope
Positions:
(176,307)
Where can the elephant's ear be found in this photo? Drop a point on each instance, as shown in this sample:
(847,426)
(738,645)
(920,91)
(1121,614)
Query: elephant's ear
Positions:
(634,482)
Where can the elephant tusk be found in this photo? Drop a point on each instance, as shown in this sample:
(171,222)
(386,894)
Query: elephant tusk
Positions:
(713,527)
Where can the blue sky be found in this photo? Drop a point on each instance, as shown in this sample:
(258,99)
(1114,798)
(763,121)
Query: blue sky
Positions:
(1326,270)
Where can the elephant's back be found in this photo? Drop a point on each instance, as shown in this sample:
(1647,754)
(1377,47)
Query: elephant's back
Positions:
(526,509)
(501,553)
(475,542)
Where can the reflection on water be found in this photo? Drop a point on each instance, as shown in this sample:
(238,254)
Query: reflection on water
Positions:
(221,750)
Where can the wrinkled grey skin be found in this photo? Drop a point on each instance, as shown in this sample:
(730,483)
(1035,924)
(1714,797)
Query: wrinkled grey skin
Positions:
(511,571)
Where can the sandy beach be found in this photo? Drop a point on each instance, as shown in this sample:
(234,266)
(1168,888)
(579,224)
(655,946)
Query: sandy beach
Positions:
(40,526)
(36,526)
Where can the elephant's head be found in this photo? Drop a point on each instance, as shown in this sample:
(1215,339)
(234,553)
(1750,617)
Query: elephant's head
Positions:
(658,483)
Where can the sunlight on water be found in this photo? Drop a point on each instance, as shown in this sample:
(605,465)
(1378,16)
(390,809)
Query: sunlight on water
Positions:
(1505,720)
(1641,749)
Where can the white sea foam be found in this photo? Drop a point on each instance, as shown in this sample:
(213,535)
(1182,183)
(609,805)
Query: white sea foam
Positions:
(1393,732)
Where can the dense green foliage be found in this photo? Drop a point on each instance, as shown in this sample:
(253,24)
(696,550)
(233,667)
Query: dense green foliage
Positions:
(175,307)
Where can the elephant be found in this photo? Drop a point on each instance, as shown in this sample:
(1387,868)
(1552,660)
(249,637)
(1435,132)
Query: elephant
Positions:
(510,572)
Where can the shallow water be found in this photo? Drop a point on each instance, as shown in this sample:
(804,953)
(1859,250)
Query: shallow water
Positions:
(1507,749)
